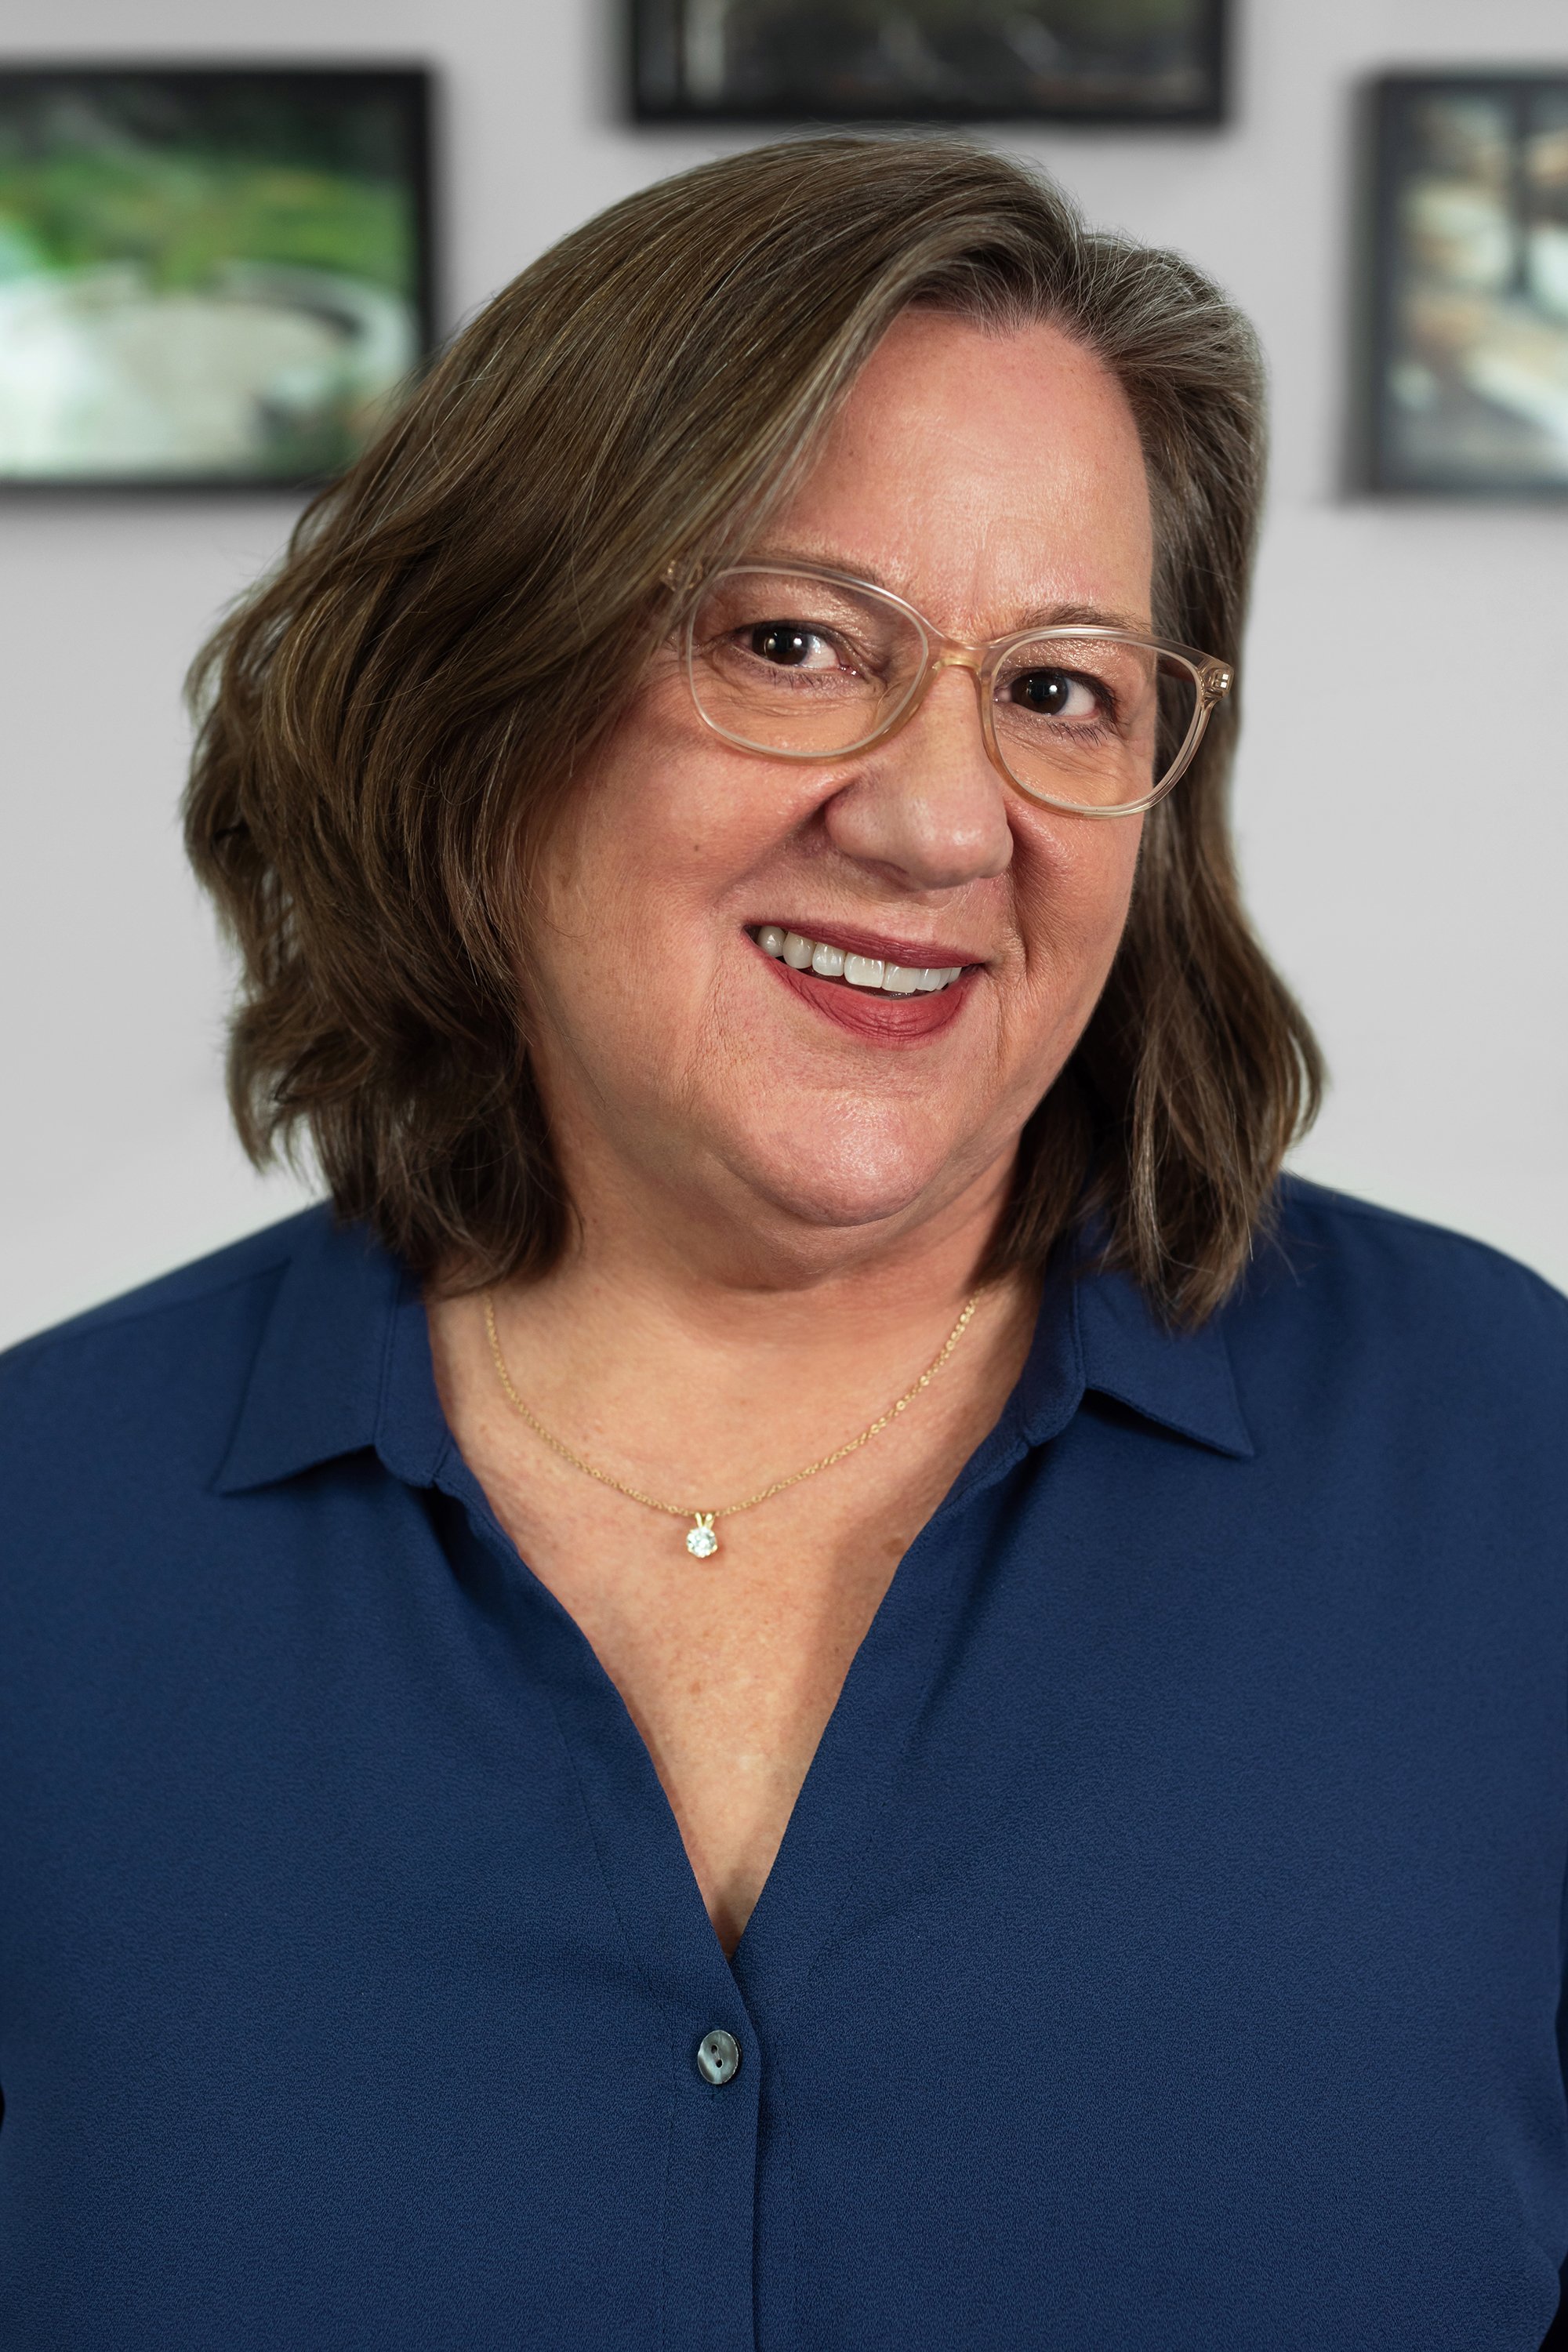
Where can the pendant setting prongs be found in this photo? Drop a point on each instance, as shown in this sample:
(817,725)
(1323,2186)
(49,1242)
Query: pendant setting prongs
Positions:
(701,1541)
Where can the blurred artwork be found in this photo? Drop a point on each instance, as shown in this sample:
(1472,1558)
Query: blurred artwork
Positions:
(1471,320)
(213,278)
(1081,60)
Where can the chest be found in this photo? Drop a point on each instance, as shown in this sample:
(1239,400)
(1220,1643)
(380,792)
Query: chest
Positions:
(729,1667)
(729,1660)
(1168,1924)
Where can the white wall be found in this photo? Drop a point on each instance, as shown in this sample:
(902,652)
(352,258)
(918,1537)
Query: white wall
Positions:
(1402,798)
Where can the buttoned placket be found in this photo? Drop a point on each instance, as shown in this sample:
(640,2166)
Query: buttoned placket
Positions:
(704,2292)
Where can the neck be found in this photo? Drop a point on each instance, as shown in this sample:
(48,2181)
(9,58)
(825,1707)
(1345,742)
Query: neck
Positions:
(706,1265)
(716,1346)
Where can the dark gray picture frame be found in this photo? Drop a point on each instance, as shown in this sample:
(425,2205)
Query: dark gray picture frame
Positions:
(1463,358)
(353,270)
(1147,63)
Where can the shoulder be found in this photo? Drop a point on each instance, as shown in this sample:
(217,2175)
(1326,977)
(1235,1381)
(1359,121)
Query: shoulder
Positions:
(1351,1249)
(133,1318)
(179,1348)
(1345,1296)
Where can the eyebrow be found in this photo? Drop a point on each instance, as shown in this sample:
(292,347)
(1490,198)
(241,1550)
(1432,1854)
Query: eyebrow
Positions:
(1064,615)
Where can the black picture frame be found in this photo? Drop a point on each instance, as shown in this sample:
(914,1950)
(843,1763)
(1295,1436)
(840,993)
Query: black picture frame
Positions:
(1462,349)
(1056,82)
(364,127)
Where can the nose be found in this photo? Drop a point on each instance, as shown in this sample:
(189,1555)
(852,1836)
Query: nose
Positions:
(927,807)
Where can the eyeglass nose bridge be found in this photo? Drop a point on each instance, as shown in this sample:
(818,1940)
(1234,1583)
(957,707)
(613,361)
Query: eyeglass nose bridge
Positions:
(954,653)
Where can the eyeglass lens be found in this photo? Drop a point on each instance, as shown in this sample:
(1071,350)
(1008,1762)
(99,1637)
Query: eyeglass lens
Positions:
(785,662)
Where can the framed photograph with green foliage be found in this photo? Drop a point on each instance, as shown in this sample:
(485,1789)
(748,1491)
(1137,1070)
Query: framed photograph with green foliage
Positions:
(1113,61)
(210,277)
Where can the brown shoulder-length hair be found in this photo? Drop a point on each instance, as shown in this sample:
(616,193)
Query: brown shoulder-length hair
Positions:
(388,725)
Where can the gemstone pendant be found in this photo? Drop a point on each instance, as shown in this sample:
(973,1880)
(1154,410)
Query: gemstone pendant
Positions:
(701,1541)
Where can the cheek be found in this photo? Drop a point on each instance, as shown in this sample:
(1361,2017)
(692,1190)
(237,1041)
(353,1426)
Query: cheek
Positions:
(633,890)
(1073,885)
(625,847)
(669,817)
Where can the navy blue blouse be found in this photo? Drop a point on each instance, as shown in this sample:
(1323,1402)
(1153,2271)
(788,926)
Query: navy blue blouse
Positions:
(1167,1947)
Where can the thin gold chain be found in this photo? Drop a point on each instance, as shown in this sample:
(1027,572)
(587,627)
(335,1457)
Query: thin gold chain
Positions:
(764,1493)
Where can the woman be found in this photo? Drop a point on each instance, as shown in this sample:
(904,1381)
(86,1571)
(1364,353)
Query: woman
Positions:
(824,1676)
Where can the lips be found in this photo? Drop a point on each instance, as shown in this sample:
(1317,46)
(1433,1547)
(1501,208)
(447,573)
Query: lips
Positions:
(887,991)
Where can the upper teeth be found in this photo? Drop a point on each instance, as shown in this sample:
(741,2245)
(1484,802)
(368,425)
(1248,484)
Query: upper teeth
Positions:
(861,972)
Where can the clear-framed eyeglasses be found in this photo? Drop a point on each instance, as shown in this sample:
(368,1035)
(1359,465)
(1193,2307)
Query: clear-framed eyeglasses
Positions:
(796,662)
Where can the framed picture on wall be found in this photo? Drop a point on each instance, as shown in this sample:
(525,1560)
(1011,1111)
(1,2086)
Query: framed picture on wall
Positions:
(1113,61)
(1468,357)
(209,277)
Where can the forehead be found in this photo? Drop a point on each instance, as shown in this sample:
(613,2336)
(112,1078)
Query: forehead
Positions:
(981,472)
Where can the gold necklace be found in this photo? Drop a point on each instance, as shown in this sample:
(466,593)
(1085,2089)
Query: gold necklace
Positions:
(701,1541)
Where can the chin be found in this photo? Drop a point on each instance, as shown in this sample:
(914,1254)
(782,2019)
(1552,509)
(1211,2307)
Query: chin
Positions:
(834,1176)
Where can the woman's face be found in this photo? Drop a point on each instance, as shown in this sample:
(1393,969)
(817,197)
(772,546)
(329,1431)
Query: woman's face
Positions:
(987,477)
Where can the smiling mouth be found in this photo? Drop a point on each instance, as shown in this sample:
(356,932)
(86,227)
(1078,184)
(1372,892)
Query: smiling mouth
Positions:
(871,974)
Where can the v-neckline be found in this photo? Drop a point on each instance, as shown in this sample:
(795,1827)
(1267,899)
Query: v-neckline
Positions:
(853,1770)
(845,1785)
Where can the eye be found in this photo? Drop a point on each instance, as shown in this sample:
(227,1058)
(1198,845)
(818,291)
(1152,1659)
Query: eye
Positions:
(789,644)
(1054,694)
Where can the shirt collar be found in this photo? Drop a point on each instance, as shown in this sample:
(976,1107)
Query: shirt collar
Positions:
(1098,1332)
(344,1365)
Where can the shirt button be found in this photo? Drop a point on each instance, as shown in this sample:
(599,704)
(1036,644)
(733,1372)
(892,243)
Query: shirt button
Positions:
(718,2056)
